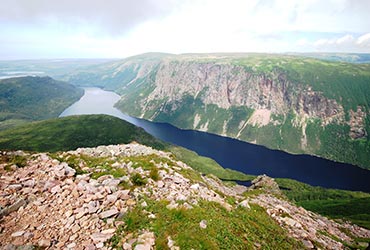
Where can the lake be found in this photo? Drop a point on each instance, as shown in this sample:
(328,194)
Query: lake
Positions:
(232,153)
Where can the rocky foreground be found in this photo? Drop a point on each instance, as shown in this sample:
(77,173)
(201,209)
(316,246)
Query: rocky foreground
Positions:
(77,199)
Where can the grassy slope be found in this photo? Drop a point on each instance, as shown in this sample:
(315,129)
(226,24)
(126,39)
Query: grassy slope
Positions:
(69,133)
(237,229)
(336,204)
(29,98)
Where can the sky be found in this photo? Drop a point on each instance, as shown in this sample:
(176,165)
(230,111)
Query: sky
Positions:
(38,29)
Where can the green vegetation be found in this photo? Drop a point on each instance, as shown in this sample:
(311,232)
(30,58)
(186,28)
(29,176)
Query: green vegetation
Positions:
(24,99)
(236,229)
(206,165)
(75,131)
(14,159)
(138,180)
(336,204)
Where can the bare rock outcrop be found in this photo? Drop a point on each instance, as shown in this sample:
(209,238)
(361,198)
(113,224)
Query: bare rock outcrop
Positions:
(47,204)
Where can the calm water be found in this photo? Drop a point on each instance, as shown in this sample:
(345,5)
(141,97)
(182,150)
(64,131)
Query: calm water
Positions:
(234,154)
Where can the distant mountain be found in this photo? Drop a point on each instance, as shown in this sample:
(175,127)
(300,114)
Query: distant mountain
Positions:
(34,98)
(293,103)
(339,57)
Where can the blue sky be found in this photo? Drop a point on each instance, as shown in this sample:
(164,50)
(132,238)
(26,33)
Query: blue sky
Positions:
(120,28)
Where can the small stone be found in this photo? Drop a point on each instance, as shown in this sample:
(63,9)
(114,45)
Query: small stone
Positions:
(14,207)
(73,237)
(100,237)
(80,214)
(111,198)
(109,231)
(245,204)
(29,183)
(93,206)
(68,213)
(151,216)
(126,246)
(181,197)
(28,235)
(108,213)
(44,243)
(130,202)
(308,244)
(203,224)
(17,234)
(75,228)
(160,184)
(172,205)
(55,189)
(90,247)
(100,245)
(75,193)
(72,245)
(142,247)
(170,242)
(15,186)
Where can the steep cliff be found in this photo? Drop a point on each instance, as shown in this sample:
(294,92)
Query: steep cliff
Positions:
(297,104)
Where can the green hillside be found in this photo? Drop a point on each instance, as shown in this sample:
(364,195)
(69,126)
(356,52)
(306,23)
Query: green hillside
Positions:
(71,132)
(30,98)
(316,106)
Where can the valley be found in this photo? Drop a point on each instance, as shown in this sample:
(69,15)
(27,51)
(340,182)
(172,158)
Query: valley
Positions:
(309,106)
(230,153)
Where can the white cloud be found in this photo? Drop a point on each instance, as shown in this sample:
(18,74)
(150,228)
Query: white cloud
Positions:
(344,43)
(347,39)
(119,28)
(364,40)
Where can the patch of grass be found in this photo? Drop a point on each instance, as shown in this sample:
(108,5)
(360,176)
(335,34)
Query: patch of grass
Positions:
(206,165)
(154,175)
(138,180)
(19,160)
(147,162)
(237,229)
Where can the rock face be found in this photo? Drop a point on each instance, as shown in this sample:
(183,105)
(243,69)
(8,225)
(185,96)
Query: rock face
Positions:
(265,183)
(47,204)
(227,85)
(357,124)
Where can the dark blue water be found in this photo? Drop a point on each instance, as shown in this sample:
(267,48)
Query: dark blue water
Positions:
(235,154)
